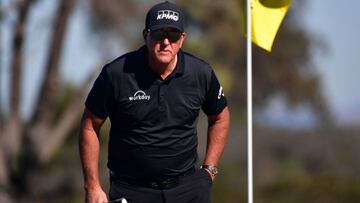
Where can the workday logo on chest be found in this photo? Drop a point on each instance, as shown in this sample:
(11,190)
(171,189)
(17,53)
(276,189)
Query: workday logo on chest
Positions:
(139,95)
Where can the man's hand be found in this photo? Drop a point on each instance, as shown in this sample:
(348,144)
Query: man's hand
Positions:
(96,195)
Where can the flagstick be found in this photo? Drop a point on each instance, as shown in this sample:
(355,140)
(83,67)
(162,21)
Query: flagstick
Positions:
(249,103)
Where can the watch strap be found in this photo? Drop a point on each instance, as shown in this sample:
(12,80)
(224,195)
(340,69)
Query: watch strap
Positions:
(212,169)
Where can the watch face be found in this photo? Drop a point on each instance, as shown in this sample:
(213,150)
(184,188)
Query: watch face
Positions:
(214,171)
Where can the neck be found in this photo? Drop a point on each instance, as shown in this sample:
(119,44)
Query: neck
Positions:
(162,69)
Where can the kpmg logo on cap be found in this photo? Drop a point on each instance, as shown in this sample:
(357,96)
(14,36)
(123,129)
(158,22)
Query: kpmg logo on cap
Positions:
(167,14)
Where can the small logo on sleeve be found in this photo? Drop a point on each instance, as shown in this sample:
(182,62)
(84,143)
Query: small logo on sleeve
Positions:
(139,95)
(221,93)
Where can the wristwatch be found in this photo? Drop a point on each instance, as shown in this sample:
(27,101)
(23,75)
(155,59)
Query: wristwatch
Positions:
(212,169)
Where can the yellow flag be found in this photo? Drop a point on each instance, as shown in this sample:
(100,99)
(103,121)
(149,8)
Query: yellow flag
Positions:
(266,16)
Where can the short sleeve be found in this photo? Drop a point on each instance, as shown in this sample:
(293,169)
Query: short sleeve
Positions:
(99,98)
(215,100)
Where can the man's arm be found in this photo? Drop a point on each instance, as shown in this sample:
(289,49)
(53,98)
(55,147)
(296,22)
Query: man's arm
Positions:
(217,136)
(89,147)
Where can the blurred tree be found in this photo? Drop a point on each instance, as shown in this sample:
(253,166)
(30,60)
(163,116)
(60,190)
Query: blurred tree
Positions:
(27,146)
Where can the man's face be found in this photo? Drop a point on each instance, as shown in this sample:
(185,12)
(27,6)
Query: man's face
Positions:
(164,44)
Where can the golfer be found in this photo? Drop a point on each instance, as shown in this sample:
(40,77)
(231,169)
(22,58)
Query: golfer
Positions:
(153,97)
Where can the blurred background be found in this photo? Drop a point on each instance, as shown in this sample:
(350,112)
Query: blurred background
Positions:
(306,104)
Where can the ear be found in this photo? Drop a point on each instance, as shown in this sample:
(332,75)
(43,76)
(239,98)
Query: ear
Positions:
(184,35)
(182,39)
(144,34)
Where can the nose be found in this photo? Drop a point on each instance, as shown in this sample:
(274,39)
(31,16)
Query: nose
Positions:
(166,41)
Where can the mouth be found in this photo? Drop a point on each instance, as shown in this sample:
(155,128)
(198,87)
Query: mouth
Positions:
(164,51)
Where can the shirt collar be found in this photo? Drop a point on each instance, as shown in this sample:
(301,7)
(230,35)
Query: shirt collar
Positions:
(180,66)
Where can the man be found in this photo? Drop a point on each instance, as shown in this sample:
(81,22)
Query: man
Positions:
(153,97)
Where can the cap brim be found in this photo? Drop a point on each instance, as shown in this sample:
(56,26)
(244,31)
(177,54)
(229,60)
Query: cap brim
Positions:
(156,27)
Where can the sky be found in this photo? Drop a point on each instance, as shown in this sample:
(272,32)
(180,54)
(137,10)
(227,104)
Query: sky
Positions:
(336,24)
(336,27)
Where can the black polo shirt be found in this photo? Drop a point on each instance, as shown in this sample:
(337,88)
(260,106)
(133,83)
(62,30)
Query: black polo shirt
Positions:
(153,121)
